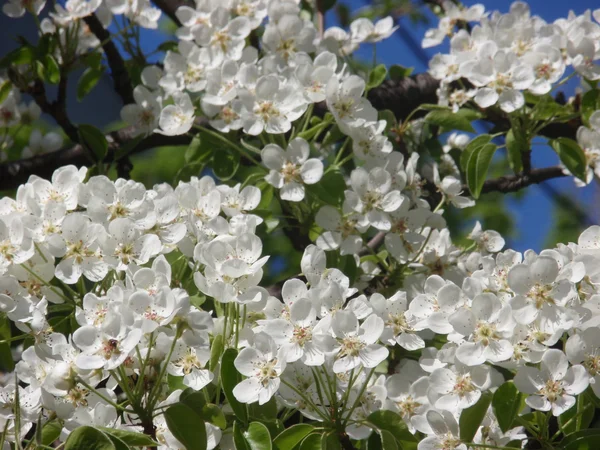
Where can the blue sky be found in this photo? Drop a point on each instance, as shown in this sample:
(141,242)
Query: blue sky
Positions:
(533,213)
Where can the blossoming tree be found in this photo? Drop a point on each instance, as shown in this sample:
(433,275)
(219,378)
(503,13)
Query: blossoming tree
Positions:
(139,316)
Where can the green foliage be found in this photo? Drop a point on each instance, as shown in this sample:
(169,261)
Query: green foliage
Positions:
(571,155)
(477,167)
(187,426)
(471,418)
(88,80)
(292,436)
(507,402)
(89,438)
(230,377)
(376,76)
(449,120)
(399,72)
(94,140)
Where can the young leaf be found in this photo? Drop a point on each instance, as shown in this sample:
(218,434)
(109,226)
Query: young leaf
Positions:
(289,438)
(238,437)
(230,377)
(383,440)
(399,72)
(187,426)
(449,120)
(392,422)
(52,69)
(477,167)
(22,55)
(88,438)
(258,437)
(312,442)
(571,155)
(471,418)
(214,414)
(87,81)
(507,402)
(589,104)
(51,432)
(6,360)
(515,145)
(331,441)
(131,438)
(216,350)
(577,418)
(5,90)
(94,139)
(582,440)
(376,76)
(225,164)
(476,143)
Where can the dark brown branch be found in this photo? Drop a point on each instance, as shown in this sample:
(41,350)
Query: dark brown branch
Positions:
(373,244)
(116,63)
(170,6)
(15,173)
(514,183)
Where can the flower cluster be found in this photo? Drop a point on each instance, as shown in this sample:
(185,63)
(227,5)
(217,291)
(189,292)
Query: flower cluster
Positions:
(101,251)
(507,55)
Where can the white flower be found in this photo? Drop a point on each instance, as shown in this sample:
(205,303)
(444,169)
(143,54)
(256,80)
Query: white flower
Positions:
(488,240)
(17,8)
(273,107)
(460,387)
(38,144)
(346,103)
(445,430)
(451,189)
(177,118)
(363,30)
(289,35)
(373,196)
(584,348)
(356,345)
(74,10)
(263,366)
(144,114)
(398,324)
(486,325)
(223,35)
(291,169)
(343,231)
(553,386)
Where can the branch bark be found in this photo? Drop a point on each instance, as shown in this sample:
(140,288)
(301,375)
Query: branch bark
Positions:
(513,183)
(116,63)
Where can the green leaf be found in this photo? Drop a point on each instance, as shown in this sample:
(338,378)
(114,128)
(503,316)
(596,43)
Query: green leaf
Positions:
(51,432)
(392,422)
(399,72)
(194,399)
(507,402)
(330,189)
(571,155)
(225,164)
(94,139)
(216,350)
(93,60)
(312,442)
(515,145)
(168,46)
(5,90)
(89,78)
(22,55)
(238,438)
(479,141)
(331,441)
(471,418)
(187,426)
(292,436)
(52,69)
(390,119)
(376,76)
(118,443)
(583,415)
(40,71)
(477,167)
(264,413)
(6,360)
(258,437)
(196,151)
(88,438)
(230,377)
(214,414)
(383,440)
(325,5)
(582,440)
(449,120)
(175,383)
(131,438)
(589,104)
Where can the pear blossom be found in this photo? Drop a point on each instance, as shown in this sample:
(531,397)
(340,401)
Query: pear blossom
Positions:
(554,385)
(291,169)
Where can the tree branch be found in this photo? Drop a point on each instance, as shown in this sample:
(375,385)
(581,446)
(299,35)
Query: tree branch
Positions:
(170,6)
(15,173)
(116,63)
(513,183)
